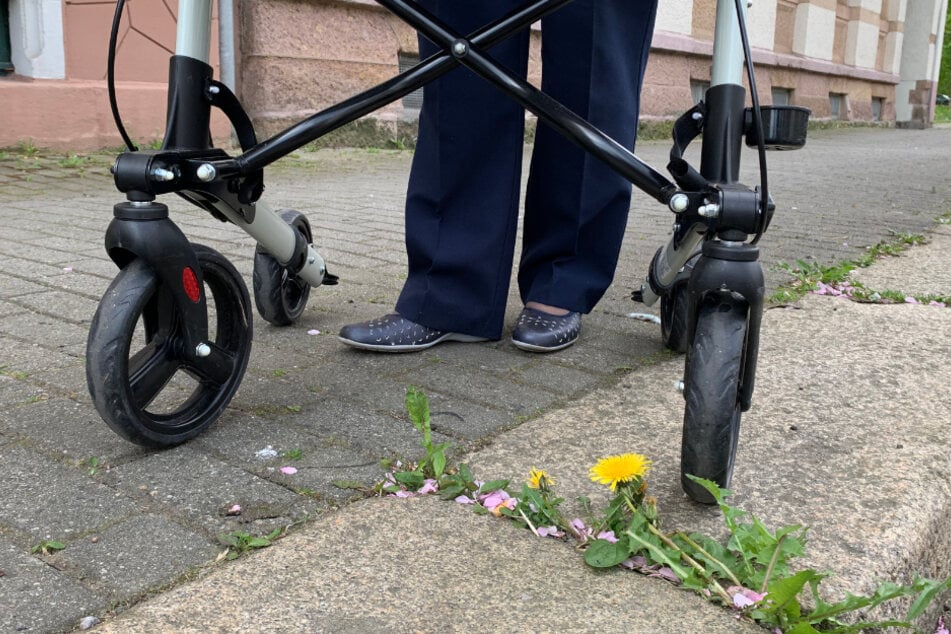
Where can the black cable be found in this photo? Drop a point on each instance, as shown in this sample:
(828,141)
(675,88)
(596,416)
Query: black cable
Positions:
(757,125)
(111,75)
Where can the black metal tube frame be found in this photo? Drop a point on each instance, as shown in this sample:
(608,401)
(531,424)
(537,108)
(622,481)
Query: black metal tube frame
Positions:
(467,51)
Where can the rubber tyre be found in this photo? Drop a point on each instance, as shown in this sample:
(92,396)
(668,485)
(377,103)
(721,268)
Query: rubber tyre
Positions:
(714,369)
(279,295)
(136,294)
(673,319)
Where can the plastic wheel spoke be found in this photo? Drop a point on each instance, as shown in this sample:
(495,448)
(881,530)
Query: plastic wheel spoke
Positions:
(150,369)
(215,369)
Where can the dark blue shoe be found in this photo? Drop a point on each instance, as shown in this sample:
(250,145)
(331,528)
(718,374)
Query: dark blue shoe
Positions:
(393,333)
(536,331)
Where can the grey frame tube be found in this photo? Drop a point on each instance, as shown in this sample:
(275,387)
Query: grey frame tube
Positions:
(193,34)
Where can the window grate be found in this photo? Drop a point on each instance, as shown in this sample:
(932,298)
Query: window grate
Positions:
(406,61)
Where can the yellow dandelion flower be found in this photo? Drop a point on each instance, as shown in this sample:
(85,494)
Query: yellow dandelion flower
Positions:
(538,479)
(615,470)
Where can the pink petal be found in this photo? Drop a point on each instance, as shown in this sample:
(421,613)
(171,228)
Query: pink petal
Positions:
(667,574)
(941,628)
(608,536)
(288,470)
(313,331)
(429,486)
(463,499)
(492,500)
(402,494)
(548,531)
(911,300)
(741,601)
(235,510)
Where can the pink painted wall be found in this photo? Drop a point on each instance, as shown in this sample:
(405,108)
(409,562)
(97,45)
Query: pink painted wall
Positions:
(74,113)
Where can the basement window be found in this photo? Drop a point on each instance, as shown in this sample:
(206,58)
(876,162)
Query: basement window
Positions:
(781,96)
(878,105)
(838,107)
(698,90)
(406,61)
(6,61)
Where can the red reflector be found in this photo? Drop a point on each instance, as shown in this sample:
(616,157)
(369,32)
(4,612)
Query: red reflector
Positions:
(190,283)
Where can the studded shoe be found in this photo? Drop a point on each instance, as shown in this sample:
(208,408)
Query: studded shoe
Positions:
(537,331)
(394,333)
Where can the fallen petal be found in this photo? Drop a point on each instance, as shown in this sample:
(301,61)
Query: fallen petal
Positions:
(464,499)
(608,536)
(288,470)
(429,486)
(313,331)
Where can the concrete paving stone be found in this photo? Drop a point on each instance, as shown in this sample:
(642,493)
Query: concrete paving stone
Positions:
(6,308)
(386,434)
(32,253)
(66,306)
(200,489)
(132,557)
(73,431)
(15,394)
(47,499)
(482,389)
(34,597)
(82,284)
(28,269)
(11,287)
(27,360)
(51,332)
(102,268)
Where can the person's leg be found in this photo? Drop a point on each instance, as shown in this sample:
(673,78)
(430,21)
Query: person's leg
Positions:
(594,53)
(463,195)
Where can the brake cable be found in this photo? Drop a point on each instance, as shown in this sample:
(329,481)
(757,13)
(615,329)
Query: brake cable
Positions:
(757,125)
(111,75)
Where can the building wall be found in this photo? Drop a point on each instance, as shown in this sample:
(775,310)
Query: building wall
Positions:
(57,96)
(850,59)
(822,54)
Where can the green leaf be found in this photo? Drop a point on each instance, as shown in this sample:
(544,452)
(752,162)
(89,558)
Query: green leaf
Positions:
(466,474)
(275,533)
(451,492)
(929,589)
(803,628)
(412,478)
(603,554)
(439,463)
(417,406)
(259,542)
(494,485)
(783,593)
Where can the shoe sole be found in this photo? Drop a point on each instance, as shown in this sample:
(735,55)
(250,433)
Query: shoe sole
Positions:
(449,336)
(533,348)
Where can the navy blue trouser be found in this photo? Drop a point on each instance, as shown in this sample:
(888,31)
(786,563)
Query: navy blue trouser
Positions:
(462,203)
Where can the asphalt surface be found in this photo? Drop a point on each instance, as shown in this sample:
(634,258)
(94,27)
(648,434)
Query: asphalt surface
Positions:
(139,523)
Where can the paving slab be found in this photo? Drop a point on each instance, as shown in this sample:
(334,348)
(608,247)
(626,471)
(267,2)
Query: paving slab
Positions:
(847,190)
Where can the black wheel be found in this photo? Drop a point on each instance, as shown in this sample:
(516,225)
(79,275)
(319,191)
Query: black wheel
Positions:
(140,381)
(714,370)
(279,295)
(673,318)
